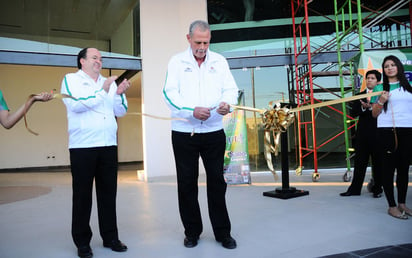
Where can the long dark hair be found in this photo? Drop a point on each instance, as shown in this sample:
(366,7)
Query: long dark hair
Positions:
(404,83)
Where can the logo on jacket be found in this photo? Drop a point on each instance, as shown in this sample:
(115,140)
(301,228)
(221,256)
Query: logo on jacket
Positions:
(188,70)
(212,70)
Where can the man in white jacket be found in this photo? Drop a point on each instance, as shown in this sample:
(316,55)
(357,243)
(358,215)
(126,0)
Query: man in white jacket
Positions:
(200,88)
(91,112)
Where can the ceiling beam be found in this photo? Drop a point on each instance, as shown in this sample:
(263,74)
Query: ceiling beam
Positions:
(66,60)
(287,59)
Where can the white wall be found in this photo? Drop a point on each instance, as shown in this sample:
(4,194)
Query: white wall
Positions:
(163,27)
(21,149)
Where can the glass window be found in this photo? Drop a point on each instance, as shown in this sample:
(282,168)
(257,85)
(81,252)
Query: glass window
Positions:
(260,86)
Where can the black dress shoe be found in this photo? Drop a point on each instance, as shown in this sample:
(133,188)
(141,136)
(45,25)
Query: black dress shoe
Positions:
(190,242)
(116,245)
(377,195)
(228,242)
(348,194)
(84,251)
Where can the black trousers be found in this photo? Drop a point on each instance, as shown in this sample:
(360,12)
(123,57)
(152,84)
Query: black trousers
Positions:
(100,165)
(187,149)
(366,146)
(398,159)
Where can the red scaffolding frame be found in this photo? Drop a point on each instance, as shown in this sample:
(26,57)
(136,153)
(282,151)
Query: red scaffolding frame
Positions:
(303,78)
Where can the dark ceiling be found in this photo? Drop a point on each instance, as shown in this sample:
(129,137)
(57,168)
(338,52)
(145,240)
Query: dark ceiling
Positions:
(224,11)
(82,19)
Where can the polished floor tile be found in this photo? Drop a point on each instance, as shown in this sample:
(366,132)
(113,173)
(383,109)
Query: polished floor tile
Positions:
(35,217)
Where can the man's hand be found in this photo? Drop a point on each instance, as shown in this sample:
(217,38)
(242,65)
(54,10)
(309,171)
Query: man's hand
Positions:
(123,86)
(201,113)
(108,82)
(365,105)
(223,109)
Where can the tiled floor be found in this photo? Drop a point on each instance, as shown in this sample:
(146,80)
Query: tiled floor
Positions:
(35,217)
(391,251)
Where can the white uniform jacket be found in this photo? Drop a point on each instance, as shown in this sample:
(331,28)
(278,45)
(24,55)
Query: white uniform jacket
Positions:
(92,113)
(188,86)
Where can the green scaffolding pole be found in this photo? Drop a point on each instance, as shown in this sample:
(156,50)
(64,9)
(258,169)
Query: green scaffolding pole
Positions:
(340,35)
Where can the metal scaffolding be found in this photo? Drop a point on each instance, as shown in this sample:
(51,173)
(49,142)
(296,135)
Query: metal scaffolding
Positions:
(350,35)
(306,128)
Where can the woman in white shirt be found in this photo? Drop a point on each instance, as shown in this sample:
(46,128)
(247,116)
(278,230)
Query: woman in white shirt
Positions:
(393,110)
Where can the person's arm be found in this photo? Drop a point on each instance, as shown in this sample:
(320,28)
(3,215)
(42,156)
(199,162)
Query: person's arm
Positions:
(120,100)
(378,106)
(8,120)
(356,108)
(171,92)
(229,92)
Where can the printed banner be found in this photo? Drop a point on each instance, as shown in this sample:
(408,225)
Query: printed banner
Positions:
(236,166)
(372,60)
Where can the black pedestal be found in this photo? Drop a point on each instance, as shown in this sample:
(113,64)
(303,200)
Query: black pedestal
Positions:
(286,191)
